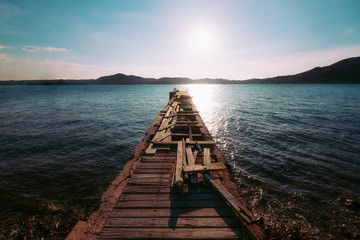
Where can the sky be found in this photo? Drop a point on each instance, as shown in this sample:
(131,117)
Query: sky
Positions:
(232,39)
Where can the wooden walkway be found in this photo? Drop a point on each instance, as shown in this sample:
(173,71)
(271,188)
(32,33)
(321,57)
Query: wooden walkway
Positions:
(176,191)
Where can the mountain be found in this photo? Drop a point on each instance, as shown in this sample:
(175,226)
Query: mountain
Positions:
(342,72)
(345,71)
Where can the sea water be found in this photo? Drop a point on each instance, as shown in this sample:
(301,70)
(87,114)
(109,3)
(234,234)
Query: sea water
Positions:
(294,150)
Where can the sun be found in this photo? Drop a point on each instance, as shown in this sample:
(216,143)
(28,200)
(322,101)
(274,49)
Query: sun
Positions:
(201,40)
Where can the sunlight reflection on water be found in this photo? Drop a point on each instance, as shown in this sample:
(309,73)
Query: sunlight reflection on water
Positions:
(206,103)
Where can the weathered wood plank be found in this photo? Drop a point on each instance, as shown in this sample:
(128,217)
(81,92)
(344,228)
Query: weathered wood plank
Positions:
(204,168)
(178,178)
(171,233)
(187,122)
(151,175)
(154,165)
(190,156)
(238,207)
(205,143)
(145,171)
(190,134)
(151,149)
(150,181)
(130,188)
(207,159)
(166,127)
(195,155)
(212,222)
(185,135)
(156,160)
(167,212)
(170,203)
(169,196)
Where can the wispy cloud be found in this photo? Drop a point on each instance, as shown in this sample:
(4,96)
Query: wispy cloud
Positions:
(43,49)
(18,68)
(351,31)
(5,58)
(2,46)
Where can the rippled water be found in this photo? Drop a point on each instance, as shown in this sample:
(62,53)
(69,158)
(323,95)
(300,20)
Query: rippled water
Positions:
(294,149)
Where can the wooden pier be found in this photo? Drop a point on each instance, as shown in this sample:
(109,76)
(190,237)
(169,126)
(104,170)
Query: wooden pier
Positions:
(178,185)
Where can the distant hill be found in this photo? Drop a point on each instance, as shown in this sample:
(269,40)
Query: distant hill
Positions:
(343,72)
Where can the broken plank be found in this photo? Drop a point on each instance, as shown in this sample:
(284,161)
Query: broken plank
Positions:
(204,168)
(166,127)
(207,159)
(190,156)
(237,206)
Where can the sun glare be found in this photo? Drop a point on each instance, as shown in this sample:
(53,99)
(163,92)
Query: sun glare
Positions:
(201,40)
(202,97)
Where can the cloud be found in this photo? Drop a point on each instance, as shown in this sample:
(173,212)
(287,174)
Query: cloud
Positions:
(23,69)
(348,32)
(43,49)
(2,46)
(5,58)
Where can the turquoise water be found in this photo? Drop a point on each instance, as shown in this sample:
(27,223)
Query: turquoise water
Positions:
(294,150)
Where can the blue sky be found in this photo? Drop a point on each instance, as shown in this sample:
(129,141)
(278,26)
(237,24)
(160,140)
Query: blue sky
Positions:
(44,39)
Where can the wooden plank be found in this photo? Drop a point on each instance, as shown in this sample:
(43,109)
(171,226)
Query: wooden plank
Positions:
(191,161)
(195,155)
(145,171)
(190,156)
(151,149)
(185,135)
(187,122)
(150,181)
(166,127)
(207,159)
(186,125)
(238,207)
(204,168)
(178,178)
(190,134)
(157,160)
(213,222)
(183,152)
(198,146)
(157,157)
(130,188)
(154,165)
(151,175)
(170,203)
(171,233)
(205,143)
(169,196)
(167,212)
(187,112)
